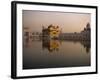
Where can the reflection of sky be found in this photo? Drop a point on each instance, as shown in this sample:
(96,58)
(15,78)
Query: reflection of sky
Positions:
(69,22)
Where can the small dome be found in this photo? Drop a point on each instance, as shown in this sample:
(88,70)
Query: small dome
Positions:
(88,25)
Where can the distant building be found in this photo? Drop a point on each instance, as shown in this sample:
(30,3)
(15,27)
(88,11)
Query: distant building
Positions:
(26,31)
(70,36)
(85,34)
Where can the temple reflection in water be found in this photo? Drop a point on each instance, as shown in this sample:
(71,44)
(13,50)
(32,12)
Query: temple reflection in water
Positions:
(53,45)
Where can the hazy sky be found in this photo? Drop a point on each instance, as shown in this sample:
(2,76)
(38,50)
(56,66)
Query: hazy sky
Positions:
(69,22)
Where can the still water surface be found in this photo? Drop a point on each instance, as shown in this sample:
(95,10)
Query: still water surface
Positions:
(55,53)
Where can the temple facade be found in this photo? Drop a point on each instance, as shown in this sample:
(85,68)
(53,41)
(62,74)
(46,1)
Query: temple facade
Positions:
(51,32)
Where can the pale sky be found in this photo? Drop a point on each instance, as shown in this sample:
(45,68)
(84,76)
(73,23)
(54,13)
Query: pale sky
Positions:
(69,22)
